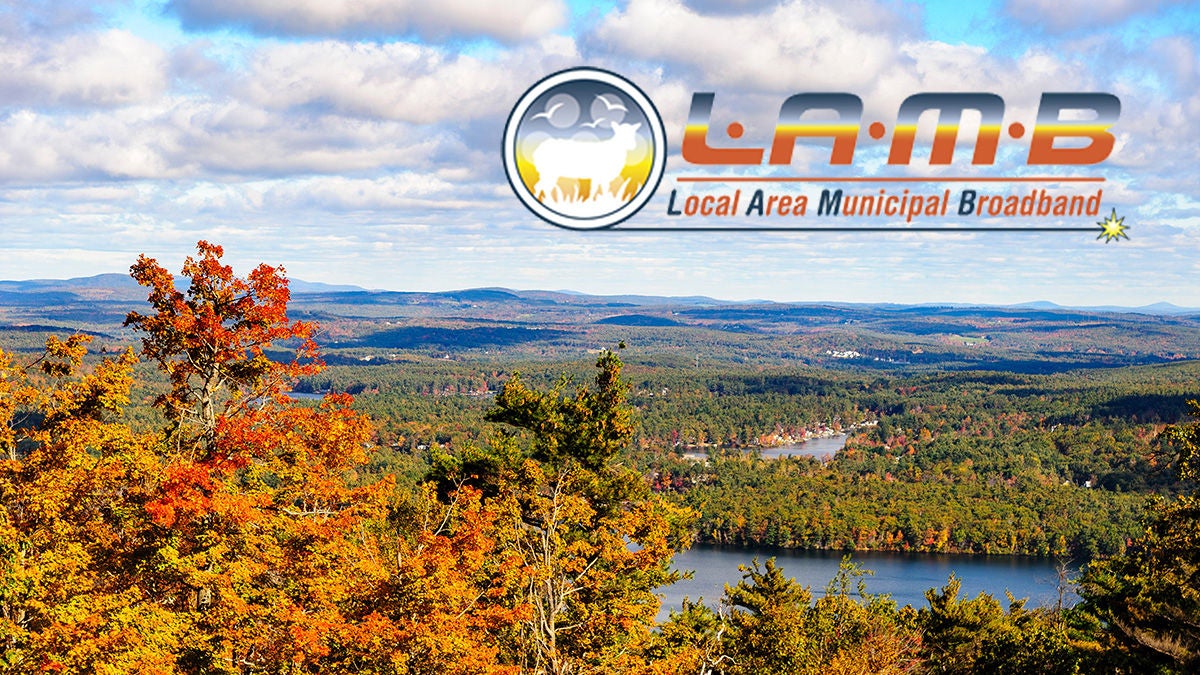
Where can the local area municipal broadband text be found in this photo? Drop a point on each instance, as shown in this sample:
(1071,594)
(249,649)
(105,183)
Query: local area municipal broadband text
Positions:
(885,203)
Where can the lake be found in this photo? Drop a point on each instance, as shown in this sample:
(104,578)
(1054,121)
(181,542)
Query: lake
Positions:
(821,447)
(905,576)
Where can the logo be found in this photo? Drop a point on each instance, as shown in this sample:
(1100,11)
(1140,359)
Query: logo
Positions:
(1093,143)
(584,149)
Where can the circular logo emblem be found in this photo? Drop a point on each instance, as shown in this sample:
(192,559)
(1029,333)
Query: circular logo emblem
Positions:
(584,149)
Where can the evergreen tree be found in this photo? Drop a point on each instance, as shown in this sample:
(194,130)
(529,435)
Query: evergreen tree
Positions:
(1148,599)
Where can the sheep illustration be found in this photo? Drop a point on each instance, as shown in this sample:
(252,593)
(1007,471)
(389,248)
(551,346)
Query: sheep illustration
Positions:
(599,162)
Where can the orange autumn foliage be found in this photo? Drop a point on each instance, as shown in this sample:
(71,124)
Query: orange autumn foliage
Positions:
(231,541)
(211,339)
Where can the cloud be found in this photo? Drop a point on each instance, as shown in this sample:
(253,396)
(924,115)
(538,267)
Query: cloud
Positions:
(1158,82)
(25,17)
(106,68)
(1060,16)
(324,107)
(335,194)
(235,138)
(729,6)
(399,81)
(185,138)
(509,21)
(793,46)
(122,143)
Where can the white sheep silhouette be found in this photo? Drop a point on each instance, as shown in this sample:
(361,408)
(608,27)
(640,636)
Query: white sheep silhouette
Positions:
(600,162)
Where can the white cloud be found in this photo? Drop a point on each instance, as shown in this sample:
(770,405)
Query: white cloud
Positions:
(793,46)
(510,21)
(401,81)
(107,68)
(186,138)
(1158,135)
(22,17)
(1069,15)
(335,194)
(230,137)
(292,109)
(122,143)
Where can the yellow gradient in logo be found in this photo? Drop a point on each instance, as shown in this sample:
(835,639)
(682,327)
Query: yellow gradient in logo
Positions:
(624,188)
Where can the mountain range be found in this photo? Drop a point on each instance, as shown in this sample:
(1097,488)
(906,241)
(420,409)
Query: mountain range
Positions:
(114,287)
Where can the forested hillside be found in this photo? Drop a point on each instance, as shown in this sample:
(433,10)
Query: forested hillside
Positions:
(169,504)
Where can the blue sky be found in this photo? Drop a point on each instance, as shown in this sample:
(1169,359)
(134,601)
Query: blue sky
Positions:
(358,142)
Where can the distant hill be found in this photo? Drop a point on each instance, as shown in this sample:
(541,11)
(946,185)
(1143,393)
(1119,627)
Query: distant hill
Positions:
(115,287)
(376,326)
(100,287)
(637,320)
(1158,308)
(633,300)
(298,286)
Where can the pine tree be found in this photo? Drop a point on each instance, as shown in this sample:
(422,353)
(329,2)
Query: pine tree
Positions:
(1148,599)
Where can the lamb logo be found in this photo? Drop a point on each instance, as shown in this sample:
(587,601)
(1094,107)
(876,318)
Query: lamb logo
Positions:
(584,149)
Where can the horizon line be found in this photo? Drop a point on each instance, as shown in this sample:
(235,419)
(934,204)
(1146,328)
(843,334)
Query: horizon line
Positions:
(746,301)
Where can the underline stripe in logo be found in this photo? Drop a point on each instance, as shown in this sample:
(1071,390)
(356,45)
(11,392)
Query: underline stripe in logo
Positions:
(880,179)
(897,229)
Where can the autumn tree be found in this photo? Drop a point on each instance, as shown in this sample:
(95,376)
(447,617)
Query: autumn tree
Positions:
(590,540)
(232,541)
(856,632)
(1148,599)
(769,622)
(977,635)
(69,520)
(210,339)
(277,561)
(692,640)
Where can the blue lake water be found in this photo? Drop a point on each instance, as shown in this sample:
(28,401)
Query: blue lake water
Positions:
(821,448)
(904,576)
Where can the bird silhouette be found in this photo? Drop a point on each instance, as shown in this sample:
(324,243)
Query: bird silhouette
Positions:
(550,111)
(612,106)
(593,125)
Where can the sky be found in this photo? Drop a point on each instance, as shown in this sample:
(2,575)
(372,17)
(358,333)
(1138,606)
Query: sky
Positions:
(358,141)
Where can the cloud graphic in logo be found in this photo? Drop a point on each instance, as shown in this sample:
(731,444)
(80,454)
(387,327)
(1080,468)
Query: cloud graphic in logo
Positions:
(584,149)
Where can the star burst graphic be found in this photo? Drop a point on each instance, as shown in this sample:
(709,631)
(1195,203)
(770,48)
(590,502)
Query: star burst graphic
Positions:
(1112,228)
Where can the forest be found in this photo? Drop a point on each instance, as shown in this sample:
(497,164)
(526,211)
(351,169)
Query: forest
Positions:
(168,503)
(976,461)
